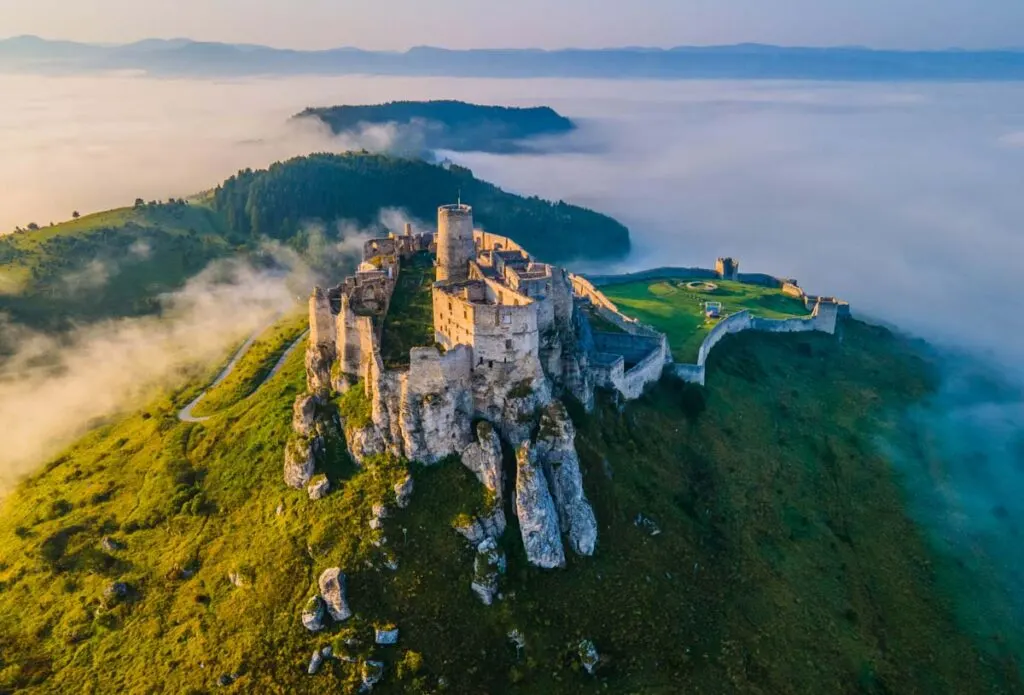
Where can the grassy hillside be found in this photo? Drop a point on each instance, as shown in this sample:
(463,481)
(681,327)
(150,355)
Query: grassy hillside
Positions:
(113,263)
(785,562)
(255,366)
(678,310)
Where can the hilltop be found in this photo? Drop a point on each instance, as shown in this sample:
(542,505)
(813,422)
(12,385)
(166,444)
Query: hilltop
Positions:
(119,262)
(782,559)
(449,125)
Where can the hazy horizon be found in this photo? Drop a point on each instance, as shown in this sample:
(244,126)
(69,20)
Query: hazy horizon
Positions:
(399,24)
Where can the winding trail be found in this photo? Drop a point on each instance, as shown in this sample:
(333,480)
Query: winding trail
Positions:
(185,414)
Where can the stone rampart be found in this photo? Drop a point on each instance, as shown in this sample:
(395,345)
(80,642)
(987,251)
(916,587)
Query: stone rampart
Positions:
(823,319)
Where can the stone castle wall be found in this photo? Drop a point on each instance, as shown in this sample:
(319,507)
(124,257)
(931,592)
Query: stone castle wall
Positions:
(824,319)
(501,333)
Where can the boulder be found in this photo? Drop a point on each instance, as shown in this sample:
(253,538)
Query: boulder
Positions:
(332,589)
(372,673)
(115,593)
(488,566)
(556,452)
(237,579)
(314,662)
(304,414)
(403,492)
(111,545)
(538,519)
(313,614)
(386,635)
(483,457)
(588,655)
(299,461)
(364,442)
(318,487)
(476,529)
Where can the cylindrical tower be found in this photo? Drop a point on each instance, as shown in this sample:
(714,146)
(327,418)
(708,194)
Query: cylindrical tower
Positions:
(455,247)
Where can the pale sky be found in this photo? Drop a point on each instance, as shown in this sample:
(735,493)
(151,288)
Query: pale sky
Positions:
(399,24)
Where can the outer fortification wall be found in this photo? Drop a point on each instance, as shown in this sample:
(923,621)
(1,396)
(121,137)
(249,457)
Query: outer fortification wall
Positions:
(823,319)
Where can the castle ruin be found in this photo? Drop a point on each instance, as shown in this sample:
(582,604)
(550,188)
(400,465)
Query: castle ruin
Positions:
(512,336)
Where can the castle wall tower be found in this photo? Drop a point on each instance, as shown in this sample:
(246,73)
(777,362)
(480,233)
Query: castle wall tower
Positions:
(727,268)
(455,247)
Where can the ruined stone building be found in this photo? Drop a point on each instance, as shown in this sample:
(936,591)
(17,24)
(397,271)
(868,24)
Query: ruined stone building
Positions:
(513,336)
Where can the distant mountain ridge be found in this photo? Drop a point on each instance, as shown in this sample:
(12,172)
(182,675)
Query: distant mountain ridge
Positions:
(748,61)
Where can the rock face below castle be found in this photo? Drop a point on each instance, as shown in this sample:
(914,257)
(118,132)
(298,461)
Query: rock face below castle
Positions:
(510,338)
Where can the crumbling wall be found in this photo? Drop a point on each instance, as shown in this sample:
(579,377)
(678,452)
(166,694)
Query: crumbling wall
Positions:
(321,319)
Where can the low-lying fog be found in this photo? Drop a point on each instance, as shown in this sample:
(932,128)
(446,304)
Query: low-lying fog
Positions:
(905,199)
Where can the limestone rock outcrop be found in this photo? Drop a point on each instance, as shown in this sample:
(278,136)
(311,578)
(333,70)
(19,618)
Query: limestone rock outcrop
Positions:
(403,492)
(488,566)
(332,589)
(364,442)
(304,414)
(483,457)
(535,508)
(556,451)
(299,461)
(319,360)
(476,529)
(319,487)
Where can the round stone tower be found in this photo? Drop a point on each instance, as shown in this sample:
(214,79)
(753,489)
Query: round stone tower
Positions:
(455,247)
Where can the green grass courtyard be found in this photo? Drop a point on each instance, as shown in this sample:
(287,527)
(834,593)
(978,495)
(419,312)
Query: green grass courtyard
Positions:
(676,309)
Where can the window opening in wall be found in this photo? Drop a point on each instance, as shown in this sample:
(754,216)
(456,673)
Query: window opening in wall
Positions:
(506,318)
(508,344)
(490,363)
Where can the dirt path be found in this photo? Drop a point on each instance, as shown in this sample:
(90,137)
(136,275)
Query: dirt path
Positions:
(185,414)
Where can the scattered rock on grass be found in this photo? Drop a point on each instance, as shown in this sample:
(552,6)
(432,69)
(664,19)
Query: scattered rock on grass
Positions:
(313,614)
(403,492)
(332,589)
(319,487)
(588,655)
(386,635)
(111,545)
(488,566)
(314,662)
(372,673)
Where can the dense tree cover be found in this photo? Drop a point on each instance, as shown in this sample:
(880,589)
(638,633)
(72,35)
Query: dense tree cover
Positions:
(453,125)
(279,201)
